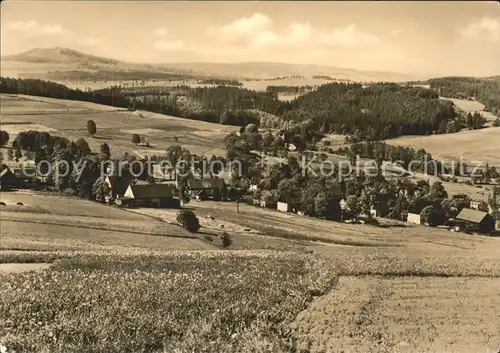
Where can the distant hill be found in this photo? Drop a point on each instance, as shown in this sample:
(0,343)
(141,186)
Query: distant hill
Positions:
(59,55)
(39,61)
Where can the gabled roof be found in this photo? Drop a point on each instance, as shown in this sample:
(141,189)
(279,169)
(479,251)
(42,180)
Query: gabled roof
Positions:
(470,215)
(151,191)
(206,184)
(119,184)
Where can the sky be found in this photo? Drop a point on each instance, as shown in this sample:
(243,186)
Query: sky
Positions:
(417,37)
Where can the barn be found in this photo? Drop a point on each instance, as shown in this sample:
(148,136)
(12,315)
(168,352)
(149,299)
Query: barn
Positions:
(150,195)
(474,220)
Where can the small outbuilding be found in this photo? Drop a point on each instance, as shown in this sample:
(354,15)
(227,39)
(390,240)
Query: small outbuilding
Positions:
(413,218)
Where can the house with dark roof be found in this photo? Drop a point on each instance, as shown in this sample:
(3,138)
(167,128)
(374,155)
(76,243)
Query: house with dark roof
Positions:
(203,189)
(149,195)
(118,185)
(475,220)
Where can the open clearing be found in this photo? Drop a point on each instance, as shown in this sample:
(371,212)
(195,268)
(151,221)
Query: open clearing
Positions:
(69,118)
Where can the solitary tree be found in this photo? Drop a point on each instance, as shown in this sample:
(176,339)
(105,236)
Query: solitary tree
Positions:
(188,220)
(4,137)
(105,151)
(91,127)
(136,139)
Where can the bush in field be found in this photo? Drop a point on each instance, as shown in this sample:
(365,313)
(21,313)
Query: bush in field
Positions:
(188,220)
(136,139)
(91,127)
(225,239)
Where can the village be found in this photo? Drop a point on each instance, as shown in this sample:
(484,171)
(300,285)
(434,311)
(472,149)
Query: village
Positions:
(167,191)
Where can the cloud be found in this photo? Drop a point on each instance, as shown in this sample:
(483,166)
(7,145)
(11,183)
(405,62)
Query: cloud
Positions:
(90,41)
(169,45)
(349,36)
(257,38)
(162,32)
(34,29)
(248,25)
(258,32)
(485,28)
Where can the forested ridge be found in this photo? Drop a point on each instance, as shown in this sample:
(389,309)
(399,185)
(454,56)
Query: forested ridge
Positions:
(484,90)
(376,112)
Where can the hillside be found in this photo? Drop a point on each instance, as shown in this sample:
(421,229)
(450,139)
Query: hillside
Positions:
(59,55)
(43,62)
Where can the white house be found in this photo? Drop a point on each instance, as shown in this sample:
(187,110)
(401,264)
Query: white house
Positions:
(413,218)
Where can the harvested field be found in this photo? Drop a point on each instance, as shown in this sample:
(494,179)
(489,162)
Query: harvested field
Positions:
(404,314)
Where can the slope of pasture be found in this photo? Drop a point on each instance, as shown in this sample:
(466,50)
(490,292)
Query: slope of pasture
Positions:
(114,127)
(62,223)
(477,146)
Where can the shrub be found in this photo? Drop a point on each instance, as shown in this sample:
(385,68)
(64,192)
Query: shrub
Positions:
(225,239)
(188,220)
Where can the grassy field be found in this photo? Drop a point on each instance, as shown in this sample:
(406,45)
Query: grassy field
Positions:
(115,127)
(156,303)
(477,146)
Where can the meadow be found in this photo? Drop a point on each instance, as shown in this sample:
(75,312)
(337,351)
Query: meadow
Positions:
(114,126)
(174,302)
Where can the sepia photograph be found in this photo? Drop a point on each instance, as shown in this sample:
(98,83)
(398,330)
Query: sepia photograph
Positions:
(249,176)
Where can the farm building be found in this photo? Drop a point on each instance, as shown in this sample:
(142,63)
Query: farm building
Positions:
(284,207)
(413,218)
(149,195)
(476,220)
(203,189)
(118,185)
